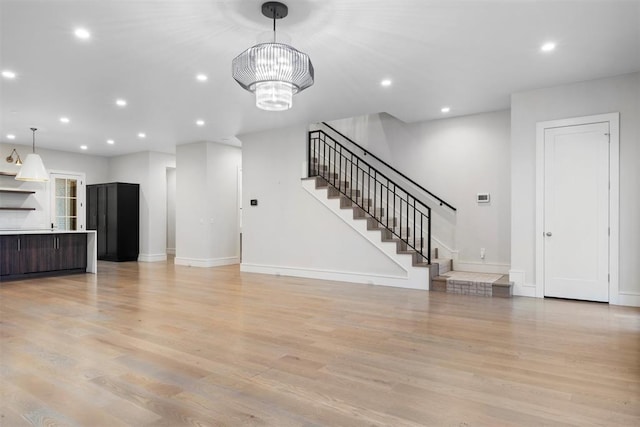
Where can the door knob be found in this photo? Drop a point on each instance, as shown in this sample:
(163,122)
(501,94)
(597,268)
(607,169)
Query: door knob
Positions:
(548,233)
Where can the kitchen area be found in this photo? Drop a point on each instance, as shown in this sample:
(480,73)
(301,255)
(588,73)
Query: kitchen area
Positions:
(42,227)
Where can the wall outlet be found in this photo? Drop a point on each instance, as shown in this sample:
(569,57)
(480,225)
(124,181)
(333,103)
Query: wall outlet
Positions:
(482,252)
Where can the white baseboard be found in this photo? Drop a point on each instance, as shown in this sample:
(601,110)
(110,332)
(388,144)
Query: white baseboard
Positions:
(152,257)
(171,251)
(206,262)
(340,276)
(444,251)
(517,277)
(480,267)
(631,299)
(520,287)
(524,291)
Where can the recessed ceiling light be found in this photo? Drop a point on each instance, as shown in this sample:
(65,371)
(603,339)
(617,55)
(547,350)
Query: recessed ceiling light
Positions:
(142,135)
(445,109)
(83,147)
(11,136)
(121,102)
(200,122)
(64,119)
(110,141)
(8,74)
(385,83)
(202,77)
(82,33)
(548,47)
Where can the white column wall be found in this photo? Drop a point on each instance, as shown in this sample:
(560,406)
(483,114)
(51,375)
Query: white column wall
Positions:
(616,94)
(207,230)
(171,211)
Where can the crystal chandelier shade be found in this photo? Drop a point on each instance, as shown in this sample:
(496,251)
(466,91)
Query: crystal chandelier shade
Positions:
(273,71)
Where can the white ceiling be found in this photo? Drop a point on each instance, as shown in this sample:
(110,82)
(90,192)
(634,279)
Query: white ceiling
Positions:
(470,55)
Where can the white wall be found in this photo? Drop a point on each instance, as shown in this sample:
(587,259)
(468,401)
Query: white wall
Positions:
(207,229)
(616,94)
(148,169)
(171,211)
(454,158)
(290,232)
(95,169)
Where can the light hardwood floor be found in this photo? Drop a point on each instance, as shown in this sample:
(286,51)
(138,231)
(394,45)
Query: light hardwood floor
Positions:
(151,344)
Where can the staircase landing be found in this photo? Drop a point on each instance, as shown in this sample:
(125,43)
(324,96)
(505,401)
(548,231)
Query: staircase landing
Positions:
(469,283)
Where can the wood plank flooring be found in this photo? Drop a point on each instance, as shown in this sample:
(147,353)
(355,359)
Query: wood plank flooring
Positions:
(153,344)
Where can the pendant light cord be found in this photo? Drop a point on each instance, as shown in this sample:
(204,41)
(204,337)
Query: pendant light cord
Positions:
(274,26)
(34,139)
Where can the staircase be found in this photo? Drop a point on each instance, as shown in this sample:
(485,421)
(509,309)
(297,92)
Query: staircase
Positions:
(415,271)
(387,208)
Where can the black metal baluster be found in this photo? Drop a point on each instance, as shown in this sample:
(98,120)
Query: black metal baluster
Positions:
(340,168)
(429,235)
(414,223)
(387,206)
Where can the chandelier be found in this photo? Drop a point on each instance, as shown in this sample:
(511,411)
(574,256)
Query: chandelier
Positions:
(273,71)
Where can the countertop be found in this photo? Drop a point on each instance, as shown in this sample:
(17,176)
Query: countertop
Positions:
(43,231)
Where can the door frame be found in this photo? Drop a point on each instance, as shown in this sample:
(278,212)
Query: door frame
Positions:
(614,195)
(82,195)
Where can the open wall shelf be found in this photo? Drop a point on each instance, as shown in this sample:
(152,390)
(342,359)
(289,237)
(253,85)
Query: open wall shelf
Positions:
(16,191)
(16,209)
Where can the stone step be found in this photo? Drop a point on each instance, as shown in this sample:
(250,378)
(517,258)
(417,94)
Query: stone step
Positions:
(478,284)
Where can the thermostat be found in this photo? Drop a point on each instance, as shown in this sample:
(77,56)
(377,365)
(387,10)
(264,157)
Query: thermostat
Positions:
(483,198)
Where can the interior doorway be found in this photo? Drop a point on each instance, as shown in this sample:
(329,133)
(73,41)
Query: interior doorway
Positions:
(67,192)
(575,209)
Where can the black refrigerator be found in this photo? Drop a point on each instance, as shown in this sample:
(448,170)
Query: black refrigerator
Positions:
(113,210)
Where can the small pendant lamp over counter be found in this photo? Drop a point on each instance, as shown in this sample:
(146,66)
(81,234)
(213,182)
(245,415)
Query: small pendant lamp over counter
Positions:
(32,168)
(273,71)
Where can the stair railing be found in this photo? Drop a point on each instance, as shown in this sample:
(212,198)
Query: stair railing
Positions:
(400,213)
(367,152)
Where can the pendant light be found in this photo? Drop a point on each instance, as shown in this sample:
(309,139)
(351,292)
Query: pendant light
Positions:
(32,168)
(273,71)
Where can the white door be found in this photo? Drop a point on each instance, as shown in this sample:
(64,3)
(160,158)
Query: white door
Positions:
(576,212)
(67,201)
